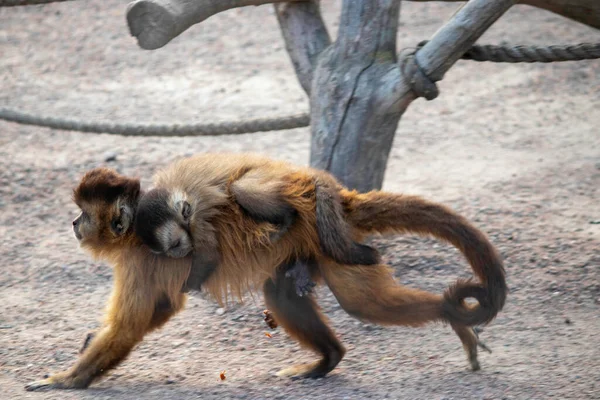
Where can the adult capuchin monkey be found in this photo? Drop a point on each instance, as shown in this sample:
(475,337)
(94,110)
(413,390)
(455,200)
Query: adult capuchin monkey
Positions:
(266,188)
(148,287)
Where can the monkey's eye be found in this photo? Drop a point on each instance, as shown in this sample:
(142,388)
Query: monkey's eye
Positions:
(186,210)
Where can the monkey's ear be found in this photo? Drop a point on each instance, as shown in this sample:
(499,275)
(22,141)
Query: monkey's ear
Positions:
(186,210)
(132,190)
(123,220)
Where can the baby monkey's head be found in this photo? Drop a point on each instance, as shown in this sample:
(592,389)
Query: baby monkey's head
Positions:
(163,223)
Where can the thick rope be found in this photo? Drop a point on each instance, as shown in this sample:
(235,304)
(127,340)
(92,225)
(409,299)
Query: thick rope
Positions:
(210,129)
(530,54)
(14,3)
(420,83)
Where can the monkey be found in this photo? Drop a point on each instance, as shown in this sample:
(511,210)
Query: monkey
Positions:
(258,190)
(148,287)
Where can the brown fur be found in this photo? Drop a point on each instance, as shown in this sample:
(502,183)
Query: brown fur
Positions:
(148,288)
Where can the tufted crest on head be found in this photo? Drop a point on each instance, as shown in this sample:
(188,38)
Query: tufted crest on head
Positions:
(106,185)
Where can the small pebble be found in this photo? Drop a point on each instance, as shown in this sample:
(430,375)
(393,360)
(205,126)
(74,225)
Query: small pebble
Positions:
(110,156)
(220,311)
(567,321)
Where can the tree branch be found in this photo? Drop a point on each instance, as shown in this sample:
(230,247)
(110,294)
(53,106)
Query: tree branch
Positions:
(584,11)
(458,35)
(156,22)
(305,36)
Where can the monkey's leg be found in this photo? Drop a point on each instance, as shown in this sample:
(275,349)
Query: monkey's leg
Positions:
(128,322)
(470,341)
(261,199)
(372,294)
(301,319)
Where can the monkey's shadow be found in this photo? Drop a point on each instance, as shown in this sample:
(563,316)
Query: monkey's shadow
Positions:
(270,386)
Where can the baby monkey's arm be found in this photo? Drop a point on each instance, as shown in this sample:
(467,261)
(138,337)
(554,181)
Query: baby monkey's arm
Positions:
(204,263)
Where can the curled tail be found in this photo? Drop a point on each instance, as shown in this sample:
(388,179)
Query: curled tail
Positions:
(381,212)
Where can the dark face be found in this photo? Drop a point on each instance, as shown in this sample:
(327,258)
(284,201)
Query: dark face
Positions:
(162,223)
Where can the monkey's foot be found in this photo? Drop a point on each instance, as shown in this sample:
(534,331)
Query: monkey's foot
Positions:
(472,355)
(298,371)
(312,370)
(58,381)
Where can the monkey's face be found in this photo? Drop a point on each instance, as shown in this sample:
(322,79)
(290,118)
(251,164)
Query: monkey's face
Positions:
(102,223)
(107,203)
(163,223)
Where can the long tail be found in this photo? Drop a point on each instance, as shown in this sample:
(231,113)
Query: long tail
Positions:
(381,212)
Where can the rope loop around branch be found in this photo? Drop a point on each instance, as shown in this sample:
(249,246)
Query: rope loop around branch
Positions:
(418,80)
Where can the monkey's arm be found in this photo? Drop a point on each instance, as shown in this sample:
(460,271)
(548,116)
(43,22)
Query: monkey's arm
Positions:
(260,197)
(131,314)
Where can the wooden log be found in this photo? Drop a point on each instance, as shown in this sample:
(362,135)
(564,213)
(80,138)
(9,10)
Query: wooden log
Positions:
(585,11)
(305,36)
(359,91)
(156,22)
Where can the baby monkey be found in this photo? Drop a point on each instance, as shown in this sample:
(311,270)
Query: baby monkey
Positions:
(174,218)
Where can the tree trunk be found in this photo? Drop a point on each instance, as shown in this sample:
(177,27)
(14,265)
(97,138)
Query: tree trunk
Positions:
(352,121)
(360,91)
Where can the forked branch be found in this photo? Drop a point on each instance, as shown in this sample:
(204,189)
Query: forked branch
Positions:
(305,36)
(360,90)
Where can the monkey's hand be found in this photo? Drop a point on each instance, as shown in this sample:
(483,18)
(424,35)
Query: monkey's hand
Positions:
(303,282)
(61,380)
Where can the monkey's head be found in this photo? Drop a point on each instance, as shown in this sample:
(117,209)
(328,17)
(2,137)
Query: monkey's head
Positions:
(107,201)
(163,222)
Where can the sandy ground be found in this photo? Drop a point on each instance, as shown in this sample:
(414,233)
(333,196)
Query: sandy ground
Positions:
(515,148)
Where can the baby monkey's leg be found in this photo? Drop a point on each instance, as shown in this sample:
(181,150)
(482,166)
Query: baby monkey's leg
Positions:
(261,199)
